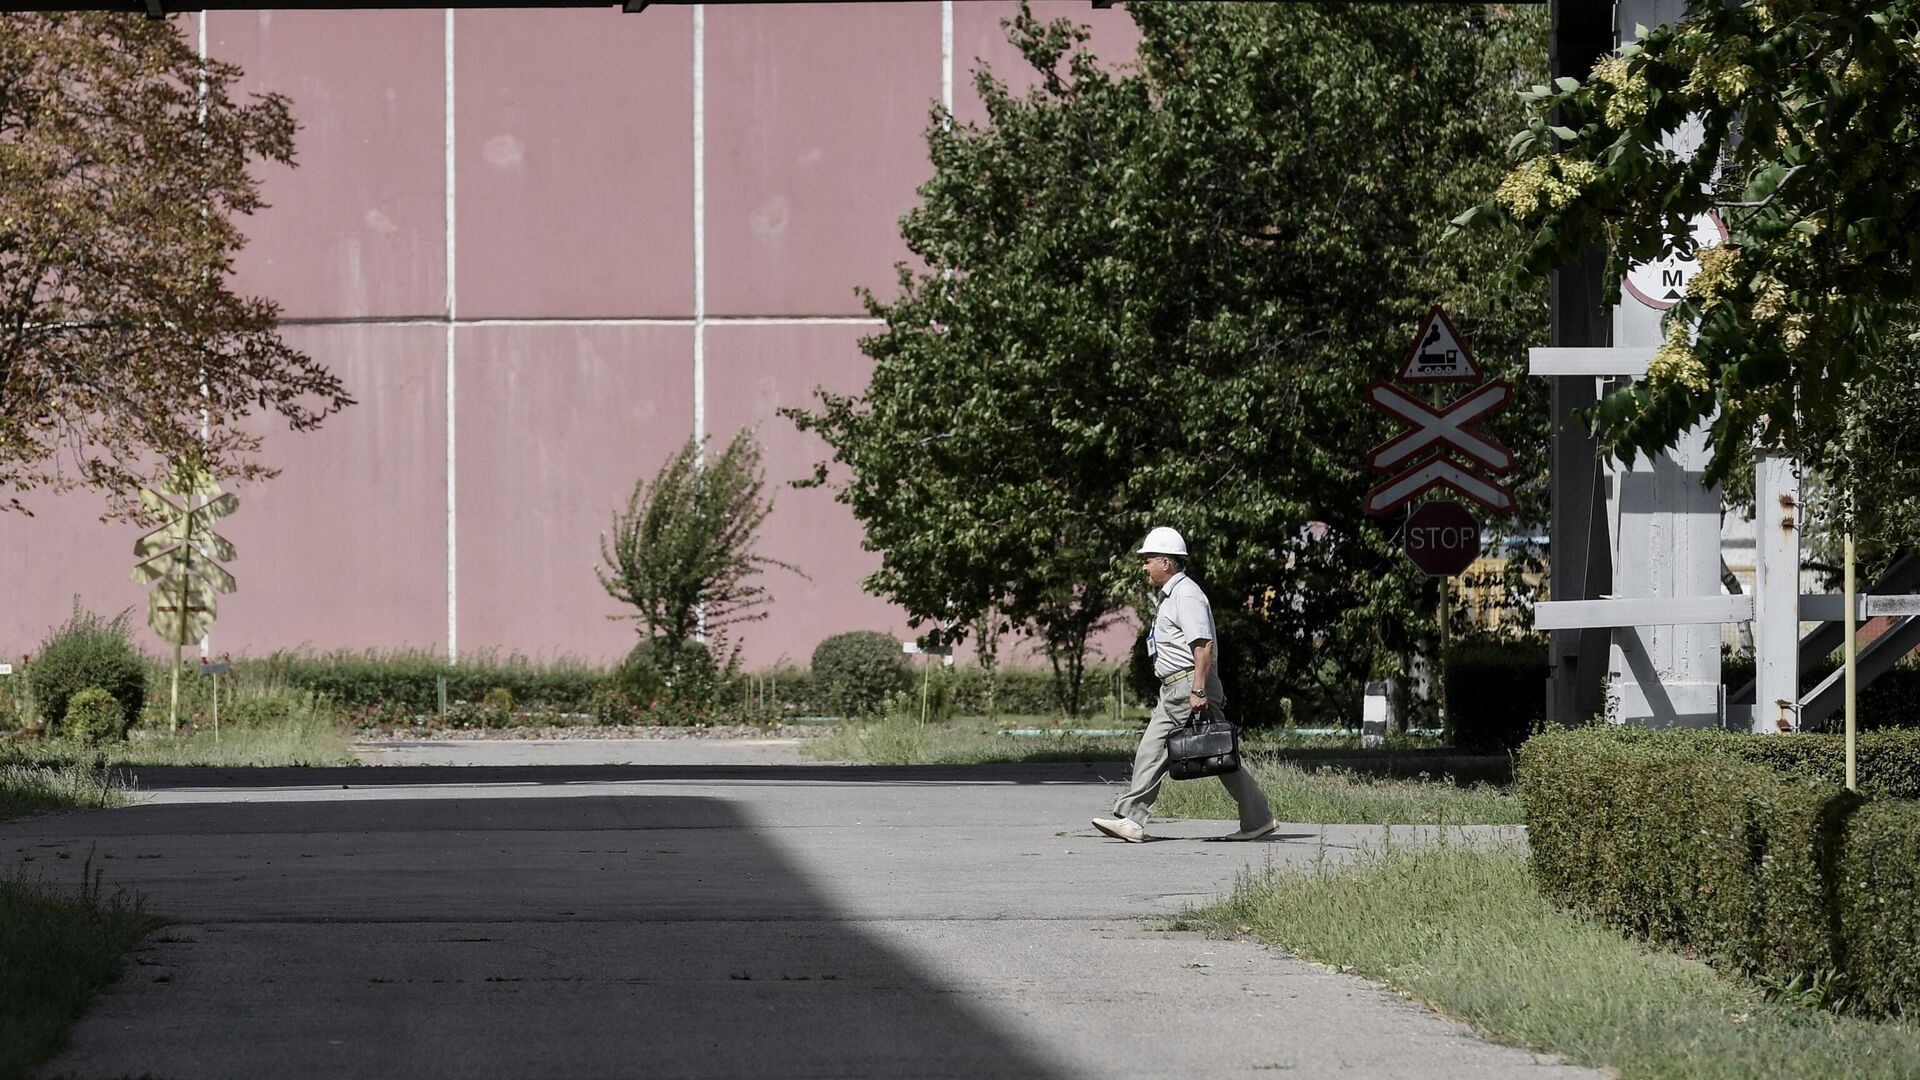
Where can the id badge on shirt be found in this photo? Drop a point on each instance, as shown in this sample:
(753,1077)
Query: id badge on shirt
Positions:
(1153,646)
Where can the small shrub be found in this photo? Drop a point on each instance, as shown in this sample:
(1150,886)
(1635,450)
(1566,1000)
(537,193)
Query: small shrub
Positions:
(499,698)
(610,706)
(659,670)
(94,717)
(88,651)
(468,715)
(853,673)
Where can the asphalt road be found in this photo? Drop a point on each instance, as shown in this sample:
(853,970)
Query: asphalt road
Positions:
(703,921)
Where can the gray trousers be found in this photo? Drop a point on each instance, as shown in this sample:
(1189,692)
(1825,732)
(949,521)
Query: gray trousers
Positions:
(1150,761)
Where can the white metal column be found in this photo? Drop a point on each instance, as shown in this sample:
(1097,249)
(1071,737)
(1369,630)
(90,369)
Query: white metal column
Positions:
(1776,595)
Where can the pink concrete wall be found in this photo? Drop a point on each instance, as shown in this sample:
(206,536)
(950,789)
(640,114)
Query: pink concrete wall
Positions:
(555,423)
(347,547)
(978,38)
(358,227)
(753,371)
(575,163)
(573,287)
(815,115)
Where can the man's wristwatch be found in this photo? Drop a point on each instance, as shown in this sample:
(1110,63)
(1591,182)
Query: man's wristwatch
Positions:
(1199,693)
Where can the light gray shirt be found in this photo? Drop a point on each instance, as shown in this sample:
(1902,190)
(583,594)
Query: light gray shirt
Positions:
(1182,618)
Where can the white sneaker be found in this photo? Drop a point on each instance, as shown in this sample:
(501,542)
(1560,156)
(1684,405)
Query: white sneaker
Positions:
(1121,829)
(1249,834)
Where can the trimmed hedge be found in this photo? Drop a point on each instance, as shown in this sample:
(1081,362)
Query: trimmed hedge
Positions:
(854,672)
(1744,848)
(407,678)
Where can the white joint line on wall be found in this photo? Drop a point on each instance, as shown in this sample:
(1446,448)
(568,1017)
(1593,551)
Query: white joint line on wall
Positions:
(699,221)
(452,323)
(206,419)
(946,55)
(700,252)
(562,321)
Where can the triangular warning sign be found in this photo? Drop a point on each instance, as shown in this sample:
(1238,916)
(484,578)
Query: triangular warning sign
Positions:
(1439,353)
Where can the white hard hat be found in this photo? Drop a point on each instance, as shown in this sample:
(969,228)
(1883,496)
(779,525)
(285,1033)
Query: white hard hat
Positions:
(1164,541)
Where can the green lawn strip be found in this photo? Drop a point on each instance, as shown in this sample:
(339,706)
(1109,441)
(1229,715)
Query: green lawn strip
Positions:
(1466,931)
(298,741)
(1338,796)
(1322,794)
(896,742)
(56,951)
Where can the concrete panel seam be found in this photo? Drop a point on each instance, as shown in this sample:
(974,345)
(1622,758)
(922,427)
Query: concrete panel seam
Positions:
(699,222)
(452,320)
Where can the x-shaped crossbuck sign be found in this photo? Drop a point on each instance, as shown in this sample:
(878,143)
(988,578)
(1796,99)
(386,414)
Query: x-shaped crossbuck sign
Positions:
(1440,428)
(1431,433)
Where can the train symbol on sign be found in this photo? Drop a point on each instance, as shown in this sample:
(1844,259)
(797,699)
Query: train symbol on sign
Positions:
(1431,360)
(1438,354)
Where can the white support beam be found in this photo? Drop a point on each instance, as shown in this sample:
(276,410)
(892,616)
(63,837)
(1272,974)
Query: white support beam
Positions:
(1830,607)
(1596,362)
(1641,611)
(1776,594)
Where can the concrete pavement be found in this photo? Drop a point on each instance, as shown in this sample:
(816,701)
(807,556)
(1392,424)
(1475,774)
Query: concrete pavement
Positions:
(703,921)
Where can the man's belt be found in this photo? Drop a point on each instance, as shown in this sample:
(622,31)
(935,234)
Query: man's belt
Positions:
(1169,680)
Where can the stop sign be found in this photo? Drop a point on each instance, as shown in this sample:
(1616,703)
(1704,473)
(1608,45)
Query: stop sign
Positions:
(1442,537)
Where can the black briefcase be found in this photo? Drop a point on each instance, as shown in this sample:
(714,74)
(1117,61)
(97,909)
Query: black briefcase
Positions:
(1207,745)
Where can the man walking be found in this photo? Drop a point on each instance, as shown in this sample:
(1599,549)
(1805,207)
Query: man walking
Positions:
(1186,661)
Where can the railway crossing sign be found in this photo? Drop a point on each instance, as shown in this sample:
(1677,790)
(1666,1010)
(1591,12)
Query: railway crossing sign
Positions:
(1440,446)
(1438,353)
(1447,428)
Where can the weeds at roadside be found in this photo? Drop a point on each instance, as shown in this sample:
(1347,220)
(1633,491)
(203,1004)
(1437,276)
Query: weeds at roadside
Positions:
(1466,930)
(57,948)
(38,789)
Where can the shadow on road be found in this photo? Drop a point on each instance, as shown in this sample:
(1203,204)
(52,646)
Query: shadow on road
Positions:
(167,777)
(600,936)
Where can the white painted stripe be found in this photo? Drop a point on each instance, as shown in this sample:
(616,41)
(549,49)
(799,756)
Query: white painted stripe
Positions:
(637,320)
(946,55)
(699,221)
(451,321)
(206,432)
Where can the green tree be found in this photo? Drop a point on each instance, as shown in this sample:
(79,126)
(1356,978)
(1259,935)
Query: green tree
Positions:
(1805,112)
(681,553)
(123,167)
(1157,297)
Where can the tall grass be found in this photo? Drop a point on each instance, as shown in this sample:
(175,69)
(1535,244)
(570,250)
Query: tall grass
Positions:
(38,789)
(1282,762)
(262,723)
(1466,930)
(908,742)
(1340,796)
(57,948)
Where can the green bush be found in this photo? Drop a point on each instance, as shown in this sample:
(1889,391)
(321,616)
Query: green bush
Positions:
(1743,848)
(659,672)
(854,672)
(499,698)
(610,706)
(1496,692)
(94,717)
(407,679)
(87,651)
